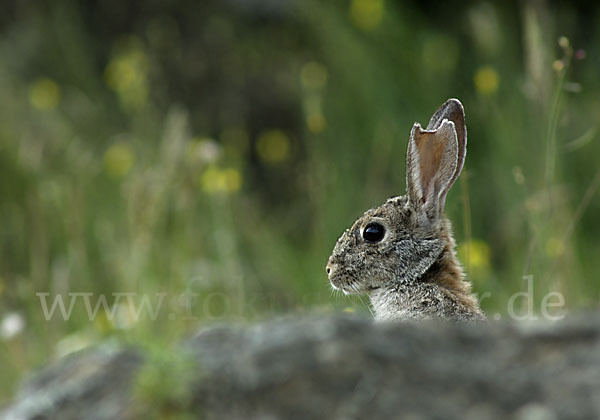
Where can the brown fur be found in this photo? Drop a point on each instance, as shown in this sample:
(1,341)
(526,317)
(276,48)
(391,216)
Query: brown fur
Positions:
(448,274)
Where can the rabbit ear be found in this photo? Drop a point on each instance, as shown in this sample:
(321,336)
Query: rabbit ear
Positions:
(431,167)
(452,110)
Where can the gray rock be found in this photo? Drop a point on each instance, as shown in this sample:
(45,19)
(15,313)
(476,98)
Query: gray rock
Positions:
(343,368)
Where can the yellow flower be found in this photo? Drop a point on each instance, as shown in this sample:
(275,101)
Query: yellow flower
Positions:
(366,14)
(316,123)
(563,42)
(44,94)
(102,323)
(216,180)
(273,146)
(126,74)
(486,80)
(232,180)
(475,255)
(558,65)
(210,180)
(118,160)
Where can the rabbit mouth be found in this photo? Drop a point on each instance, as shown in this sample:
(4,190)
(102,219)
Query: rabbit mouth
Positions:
(347,287)
(353,288)
(350,289)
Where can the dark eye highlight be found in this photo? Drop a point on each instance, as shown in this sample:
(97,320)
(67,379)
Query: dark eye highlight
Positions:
(374,232)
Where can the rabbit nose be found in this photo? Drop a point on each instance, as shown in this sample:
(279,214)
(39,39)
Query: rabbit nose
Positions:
(330,268)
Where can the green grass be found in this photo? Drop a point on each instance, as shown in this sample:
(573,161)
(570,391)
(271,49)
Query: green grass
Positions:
(222,151)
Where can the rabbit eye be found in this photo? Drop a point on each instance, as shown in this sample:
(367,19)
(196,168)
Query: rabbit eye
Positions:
(374,232)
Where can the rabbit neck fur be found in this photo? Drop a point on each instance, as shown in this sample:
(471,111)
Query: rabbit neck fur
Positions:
(440,292)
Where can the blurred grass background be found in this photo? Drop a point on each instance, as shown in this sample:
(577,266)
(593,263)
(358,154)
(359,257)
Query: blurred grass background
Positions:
(222,147)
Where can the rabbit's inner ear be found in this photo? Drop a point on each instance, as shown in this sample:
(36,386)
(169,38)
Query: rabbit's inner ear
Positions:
(452,110)
(431,162)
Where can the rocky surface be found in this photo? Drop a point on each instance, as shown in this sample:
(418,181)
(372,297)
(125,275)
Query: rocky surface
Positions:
(342,368)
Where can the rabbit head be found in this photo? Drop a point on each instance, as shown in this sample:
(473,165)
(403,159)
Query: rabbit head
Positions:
(398,242)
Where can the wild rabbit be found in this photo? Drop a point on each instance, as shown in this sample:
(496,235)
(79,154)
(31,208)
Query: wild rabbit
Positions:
(402,253)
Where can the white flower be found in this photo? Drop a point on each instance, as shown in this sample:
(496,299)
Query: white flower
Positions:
(12,324)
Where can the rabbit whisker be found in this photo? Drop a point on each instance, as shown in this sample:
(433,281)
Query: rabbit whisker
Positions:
(367,305)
